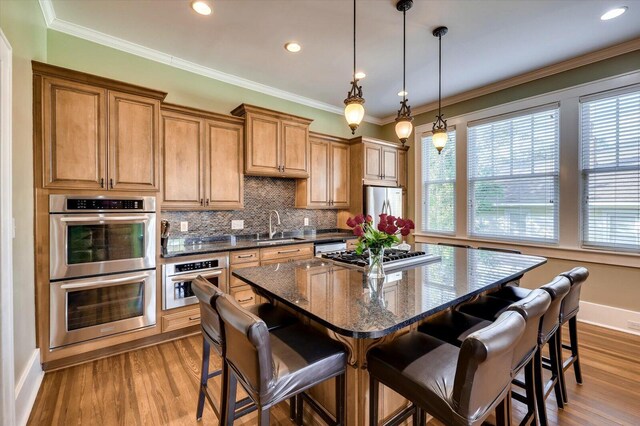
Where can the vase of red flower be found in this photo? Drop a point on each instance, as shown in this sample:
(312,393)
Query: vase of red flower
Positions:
(375,239)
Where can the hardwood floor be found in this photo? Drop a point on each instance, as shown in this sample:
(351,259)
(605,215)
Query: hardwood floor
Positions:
(158,386)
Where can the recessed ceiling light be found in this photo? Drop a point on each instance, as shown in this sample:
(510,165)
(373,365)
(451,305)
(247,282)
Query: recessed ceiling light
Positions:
(293,47)
(614,13)
(202,7)
(403,93)
(360,75)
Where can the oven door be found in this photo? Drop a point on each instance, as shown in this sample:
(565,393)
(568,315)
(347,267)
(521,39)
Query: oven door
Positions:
(177,288)
(89,308)
(94,244)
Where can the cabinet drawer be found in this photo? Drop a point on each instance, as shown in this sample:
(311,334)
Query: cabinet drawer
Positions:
(283,260)
(235,282)
(303,251)
(182,319)
(244,256)
(244,295)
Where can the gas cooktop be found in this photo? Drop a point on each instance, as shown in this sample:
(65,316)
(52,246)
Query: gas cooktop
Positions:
(393,258)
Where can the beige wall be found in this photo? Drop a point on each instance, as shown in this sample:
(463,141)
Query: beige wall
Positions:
(617,286)
(23,25)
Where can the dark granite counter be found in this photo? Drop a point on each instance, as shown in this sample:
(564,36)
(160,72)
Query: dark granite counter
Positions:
(189,247)
(341,298)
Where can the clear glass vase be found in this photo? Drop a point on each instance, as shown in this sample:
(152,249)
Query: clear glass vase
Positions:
(375,270)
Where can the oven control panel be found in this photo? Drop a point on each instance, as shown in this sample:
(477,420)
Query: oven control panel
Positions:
(197,266)
(104,204)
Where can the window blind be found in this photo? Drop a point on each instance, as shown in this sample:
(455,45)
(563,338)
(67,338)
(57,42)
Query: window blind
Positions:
(513,176)
(439,186)
(610,166)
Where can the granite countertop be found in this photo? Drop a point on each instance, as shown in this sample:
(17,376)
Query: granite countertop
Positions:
(193,246)
(341,298)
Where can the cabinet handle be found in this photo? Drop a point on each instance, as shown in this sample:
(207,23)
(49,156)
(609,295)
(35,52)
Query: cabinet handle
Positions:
(101,182)
(288,251)
(201,202)
(207,202)
(111,183)
(194,318)
(245,256)
(245,300)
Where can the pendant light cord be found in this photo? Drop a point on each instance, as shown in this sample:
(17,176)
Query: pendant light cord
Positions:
(354,40)
(440,75)
(404,55)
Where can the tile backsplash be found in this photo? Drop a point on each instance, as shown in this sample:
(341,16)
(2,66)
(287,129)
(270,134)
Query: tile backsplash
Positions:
(261,195)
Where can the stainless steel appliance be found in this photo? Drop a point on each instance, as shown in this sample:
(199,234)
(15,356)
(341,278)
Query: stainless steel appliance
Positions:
(333,247)
(378,199)
(177,277)
(100,235)
(89,308)
(393,258)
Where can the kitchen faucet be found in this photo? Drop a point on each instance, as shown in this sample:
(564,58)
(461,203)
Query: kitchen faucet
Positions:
(272,228)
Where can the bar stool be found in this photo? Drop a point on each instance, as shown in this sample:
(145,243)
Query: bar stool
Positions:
(458,386)
(454,326)
(488,307)
(211,332)
(272,367)
(569,313)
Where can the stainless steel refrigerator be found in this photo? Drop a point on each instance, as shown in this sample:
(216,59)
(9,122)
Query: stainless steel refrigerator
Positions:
(379,199)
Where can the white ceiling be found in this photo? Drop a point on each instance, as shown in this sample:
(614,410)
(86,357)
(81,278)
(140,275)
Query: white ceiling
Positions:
(488,40)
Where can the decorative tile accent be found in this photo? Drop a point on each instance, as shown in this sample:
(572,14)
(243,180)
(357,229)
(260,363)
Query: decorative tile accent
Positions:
(261,195)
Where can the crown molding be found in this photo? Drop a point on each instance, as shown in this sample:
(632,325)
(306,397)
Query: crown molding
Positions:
(98,37)
(569,64)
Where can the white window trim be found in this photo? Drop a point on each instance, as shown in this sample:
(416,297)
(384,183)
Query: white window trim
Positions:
(569,233)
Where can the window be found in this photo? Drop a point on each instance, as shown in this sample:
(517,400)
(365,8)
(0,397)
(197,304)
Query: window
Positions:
(610,166)
(513,176)
(439,186)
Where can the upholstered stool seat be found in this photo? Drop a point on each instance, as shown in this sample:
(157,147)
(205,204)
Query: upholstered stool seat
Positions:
(486,307)
(453,326)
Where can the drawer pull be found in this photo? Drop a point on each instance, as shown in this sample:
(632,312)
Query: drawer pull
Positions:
(289,251)
(246,256)
(245,300)
(194,318)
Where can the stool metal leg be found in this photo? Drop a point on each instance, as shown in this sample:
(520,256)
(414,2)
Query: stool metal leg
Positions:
(560,358)
(556,369)
(503,415)
(373,401)
(529,381)
(299,410)
(263,417)
(539,387)
(229,397)
(573,336)
(204,377)
(292,408)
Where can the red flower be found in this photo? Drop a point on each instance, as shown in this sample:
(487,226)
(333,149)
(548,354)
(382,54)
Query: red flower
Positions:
(358,231)
(391,220)
(400,222)
(368,219)
(391,229)
(411,224)
(359,219)
(383,217)
(351,223)
(382,226)
(405,231)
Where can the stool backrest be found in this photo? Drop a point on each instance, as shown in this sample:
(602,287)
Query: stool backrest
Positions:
(571,303)
(207,294)
(557,289)
(247,346)
(532,308)
(483,371)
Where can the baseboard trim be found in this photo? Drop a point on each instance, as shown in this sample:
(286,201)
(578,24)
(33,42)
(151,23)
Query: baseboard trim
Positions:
(608,317)
(27,388)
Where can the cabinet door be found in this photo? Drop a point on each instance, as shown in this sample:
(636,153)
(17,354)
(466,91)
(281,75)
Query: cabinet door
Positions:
(295,150)
(74,132)
(402,168)
(225,180)
(182,161)
(372,162)
(262,146)
(133,142)
(319,181)
(390,165)
(340,175)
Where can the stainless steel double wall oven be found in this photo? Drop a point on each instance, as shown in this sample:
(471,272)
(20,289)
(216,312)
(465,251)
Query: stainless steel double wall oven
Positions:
(102,266)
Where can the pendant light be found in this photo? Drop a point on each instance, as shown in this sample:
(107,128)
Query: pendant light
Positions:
(404,125)
(439,130)
(354,111)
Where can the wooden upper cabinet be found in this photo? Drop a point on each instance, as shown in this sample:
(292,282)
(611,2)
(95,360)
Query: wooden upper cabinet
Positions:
(94,133)
(372,162)
(73,135)
(329,172)
(202,160)
(182,160)
(402,168)
(276,144)
(225,182)
(133,142)
(389,162)
(380,163)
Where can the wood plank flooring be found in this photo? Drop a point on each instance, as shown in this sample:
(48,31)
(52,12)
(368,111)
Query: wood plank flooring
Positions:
(158,386)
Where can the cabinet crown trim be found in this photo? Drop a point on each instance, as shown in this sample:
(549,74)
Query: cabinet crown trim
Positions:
(363,139)
(48,70)
(200,113)
(243,109)
(328,138)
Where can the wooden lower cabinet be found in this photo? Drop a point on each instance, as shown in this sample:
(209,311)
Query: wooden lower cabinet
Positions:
(244,295)
(284,253)
(182,319)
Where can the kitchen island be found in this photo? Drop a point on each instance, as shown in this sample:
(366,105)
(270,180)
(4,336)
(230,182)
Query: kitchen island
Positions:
(340,301)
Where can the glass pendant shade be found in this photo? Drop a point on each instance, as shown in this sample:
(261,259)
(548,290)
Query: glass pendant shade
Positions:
(354,113)
(439,139)
(404,129)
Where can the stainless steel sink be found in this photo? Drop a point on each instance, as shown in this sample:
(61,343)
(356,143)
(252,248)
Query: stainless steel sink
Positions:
(278,241)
